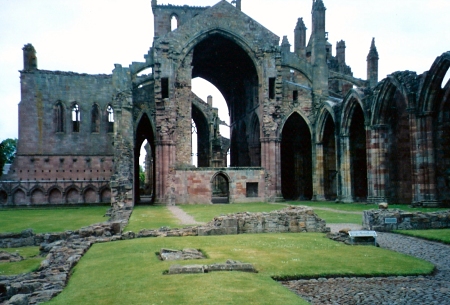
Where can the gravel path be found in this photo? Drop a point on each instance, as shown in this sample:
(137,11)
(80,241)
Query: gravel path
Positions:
(185,219)
(433,289)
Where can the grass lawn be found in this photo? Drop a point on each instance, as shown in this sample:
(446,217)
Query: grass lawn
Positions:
(128,272)
(31,261)
(339,217)
(441,235)
(45,220)
(151,217)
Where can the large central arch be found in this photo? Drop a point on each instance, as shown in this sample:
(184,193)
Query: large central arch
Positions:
(218,59)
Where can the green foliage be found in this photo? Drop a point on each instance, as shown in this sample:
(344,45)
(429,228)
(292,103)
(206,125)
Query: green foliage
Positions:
(30,263)
(440,235)
(141,176)
(7,152)
(128,272)
(46,220)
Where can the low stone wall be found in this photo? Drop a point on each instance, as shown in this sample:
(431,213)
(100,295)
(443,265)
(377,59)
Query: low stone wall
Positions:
(291,219)
(395,219)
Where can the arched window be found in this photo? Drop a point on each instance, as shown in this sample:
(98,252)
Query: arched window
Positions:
(110,125)
(76,118)
(174,22)
(95,118)
(59,117)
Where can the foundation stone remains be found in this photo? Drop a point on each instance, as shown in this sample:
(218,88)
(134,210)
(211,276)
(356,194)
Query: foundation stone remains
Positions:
(395,219)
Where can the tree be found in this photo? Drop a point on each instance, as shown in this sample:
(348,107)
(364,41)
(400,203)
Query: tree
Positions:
(141,176)
(7,152)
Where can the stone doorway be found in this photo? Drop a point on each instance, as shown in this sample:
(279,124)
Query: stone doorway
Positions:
(145,193)
(220,187)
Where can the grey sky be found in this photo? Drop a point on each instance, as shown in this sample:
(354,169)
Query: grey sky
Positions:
(90,36)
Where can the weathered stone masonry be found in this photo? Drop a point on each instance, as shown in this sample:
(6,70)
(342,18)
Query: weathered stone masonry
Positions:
(301,124)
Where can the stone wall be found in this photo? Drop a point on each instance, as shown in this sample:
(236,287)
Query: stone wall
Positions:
(295,219)
(54,192)
(395,219)
(194,185)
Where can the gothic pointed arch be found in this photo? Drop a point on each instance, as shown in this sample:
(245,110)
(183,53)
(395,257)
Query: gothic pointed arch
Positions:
(254,141)
(59,117)
(203,136)
(442,130)
(144,131)
(354,182)
(95,118)
(326,155)
(220,186)
(432,86)
(391,159)
(296,159)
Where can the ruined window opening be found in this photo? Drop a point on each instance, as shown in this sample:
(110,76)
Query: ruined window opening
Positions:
(272,87)
(194,140)
(173,22)
(76,118)
(445,79)
(95,118)
(110,125)
(165,87)
(295,96)
(252,189)
(59,117)
(145,72)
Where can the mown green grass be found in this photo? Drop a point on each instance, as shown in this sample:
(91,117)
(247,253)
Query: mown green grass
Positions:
(207,212)
(339,217)
(441,235)
(128,272)
(45,220)
(359,207)
(31,261)
(151,217)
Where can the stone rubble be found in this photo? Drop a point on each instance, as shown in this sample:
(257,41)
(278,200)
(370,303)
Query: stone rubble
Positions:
(386,220)
(185,254)
(229,265)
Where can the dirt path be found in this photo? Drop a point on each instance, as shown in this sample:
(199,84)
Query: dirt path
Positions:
(185,219)
(336,211)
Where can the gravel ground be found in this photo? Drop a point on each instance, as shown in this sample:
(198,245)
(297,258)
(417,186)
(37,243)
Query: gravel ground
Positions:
(433,289)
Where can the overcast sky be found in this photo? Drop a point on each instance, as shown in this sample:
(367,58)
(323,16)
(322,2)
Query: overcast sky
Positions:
(90,36)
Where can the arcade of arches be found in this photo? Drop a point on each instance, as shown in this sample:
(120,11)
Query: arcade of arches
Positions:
(301,126)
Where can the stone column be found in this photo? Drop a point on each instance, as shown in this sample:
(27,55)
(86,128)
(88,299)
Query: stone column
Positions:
(123,177)
(166,159)
(271,161)
(425,187)
(345,168)
(319,174)
(378,173)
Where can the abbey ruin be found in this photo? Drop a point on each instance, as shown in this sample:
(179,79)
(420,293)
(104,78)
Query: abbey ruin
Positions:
(302,127)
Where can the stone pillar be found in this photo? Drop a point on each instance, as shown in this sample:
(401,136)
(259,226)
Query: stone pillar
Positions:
(123,177)
(425,187)
(378,172)
(345,169)
(271,161)
(164,168)
(319,174)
